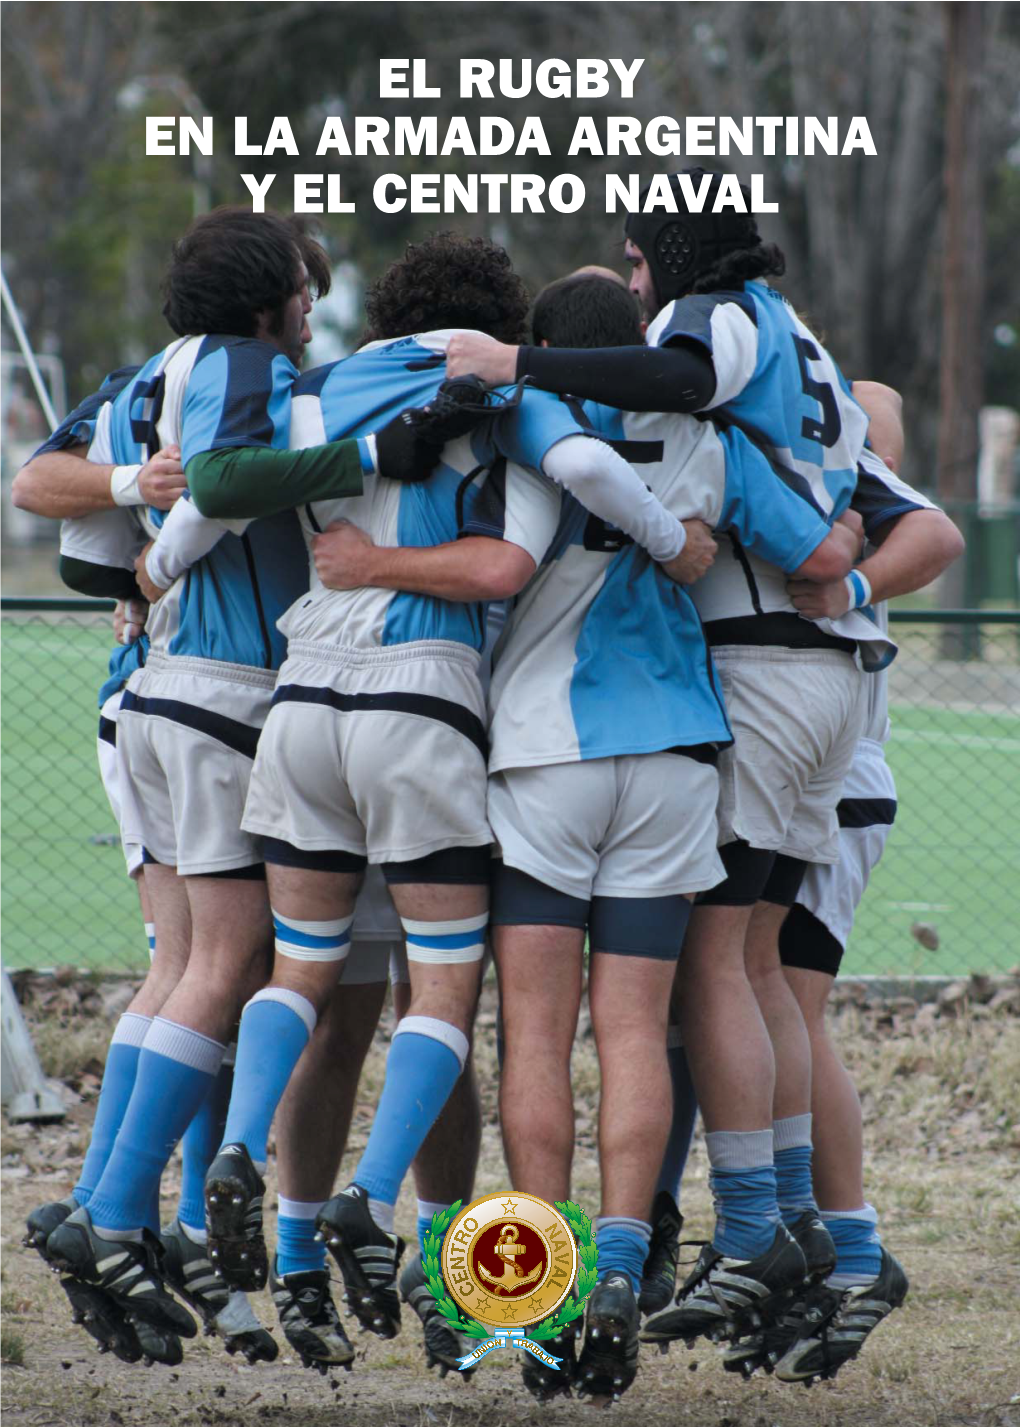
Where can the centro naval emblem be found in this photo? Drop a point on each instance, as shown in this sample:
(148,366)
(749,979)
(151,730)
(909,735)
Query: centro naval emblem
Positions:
(509,1260)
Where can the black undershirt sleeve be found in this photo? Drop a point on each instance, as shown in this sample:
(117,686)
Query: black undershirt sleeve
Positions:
(675,378)
(103,581)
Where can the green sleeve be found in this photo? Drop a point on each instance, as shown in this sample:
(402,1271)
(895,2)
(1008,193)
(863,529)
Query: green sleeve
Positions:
(107,581)
(252,481)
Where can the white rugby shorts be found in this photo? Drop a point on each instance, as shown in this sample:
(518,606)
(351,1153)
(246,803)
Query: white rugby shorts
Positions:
(641,825)
(377,752)
(186,737)
(106,748)
(833,893)
(796,715)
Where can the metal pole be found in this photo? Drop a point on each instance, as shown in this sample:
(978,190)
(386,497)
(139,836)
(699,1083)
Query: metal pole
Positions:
(28,354)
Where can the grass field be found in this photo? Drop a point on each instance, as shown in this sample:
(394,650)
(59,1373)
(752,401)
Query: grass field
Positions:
(951,862)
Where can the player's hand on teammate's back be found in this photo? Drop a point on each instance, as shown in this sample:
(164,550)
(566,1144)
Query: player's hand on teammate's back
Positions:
(474,354)
(697,555)
(342,555)
(161,480)
(149,589)
(817,601)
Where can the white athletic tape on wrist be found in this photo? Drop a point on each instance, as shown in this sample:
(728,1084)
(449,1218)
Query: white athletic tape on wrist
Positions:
(446,943)
(124,485)
(859,589)
(313,941)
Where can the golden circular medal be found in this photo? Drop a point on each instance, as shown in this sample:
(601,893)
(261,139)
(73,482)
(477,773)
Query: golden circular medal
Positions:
(509,1260)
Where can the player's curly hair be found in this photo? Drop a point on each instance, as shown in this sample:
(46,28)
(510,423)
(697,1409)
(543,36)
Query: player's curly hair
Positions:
(233,264)
(743,265)
(448,281)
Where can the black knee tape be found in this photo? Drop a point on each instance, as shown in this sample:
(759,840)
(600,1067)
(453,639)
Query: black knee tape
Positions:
(639,926)
(784,880)
(520,900)
(455,866)
(807,943)
(285,854)
(747,871)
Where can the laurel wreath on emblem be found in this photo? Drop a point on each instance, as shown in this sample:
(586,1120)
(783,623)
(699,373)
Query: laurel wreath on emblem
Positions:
(587,1251)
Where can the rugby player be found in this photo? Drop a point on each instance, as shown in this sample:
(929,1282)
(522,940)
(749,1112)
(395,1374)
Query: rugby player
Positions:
(605,726)
(910,544)
(59,483)
(384,690)
(189,719)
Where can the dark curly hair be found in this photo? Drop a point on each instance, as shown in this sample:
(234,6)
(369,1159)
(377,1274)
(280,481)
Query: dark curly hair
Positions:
(763,260)
(233,264)
(448,281)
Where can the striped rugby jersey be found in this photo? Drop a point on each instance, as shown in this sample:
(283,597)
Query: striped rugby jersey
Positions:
(486,483)
(603,654)
(777,383)
(205,394)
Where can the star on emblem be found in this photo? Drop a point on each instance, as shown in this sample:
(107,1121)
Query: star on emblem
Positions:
(510,1311)
(509,1207)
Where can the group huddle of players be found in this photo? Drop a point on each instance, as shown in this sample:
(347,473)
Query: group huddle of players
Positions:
(672,511)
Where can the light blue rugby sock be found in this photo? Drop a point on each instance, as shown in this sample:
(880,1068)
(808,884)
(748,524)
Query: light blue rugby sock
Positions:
(201,1141)
(425,1059)
(296,1247)
(743,1181)
(792,1147)
(176,1068)
(623,1247)
(858,1245)
(276,1025)
(114,1096)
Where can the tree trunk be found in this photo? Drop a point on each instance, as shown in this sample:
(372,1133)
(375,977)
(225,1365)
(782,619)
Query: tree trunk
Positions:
(961,367)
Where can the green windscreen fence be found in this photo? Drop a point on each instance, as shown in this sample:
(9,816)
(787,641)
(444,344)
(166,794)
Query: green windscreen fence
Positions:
(950,874)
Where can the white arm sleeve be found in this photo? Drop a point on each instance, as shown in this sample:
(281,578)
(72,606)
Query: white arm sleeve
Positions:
(185,537)
(610,488)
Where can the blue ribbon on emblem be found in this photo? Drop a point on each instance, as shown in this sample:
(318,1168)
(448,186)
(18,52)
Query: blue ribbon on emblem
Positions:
(509,1338)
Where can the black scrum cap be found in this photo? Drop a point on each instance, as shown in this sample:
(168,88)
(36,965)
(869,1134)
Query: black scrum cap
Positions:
(679,247)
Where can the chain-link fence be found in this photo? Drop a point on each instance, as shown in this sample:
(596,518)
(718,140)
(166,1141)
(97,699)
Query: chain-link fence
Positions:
(949,875)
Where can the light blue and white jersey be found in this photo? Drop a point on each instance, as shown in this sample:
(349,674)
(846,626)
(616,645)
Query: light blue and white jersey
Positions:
(77,429)
(206,394)
(603,654)
(476,479)
(778,384)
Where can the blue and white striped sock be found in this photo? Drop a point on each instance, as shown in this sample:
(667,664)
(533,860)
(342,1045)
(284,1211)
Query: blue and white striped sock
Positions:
(176,1067)
(114,1097)
(426,1057)
(296,1247)
(276,1025)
